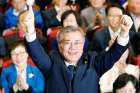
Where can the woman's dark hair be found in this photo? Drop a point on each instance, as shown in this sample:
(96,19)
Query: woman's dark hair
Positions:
(15,44)
(109,6)
(123,79)
(79,19)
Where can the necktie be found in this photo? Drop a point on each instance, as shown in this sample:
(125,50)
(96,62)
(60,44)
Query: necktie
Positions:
(71,72)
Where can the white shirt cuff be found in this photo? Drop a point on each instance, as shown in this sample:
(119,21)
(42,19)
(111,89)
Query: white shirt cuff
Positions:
(30,37)
(123,39)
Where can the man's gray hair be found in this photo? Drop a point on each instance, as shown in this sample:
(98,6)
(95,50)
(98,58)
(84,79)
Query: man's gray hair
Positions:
(69,29)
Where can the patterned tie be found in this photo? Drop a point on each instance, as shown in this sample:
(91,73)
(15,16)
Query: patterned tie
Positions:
(71,71)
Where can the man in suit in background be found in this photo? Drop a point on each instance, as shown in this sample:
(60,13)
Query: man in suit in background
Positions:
(88,66)
(133,10)
(102,40)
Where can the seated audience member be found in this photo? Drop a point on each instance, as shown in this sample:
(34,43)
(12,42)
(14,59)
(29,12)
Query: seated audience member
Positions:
(95,12)
(121,66)
(102,39)
(18,6)
(68,18)
(126,83)
(71,69)
(133,10)
(52,16)
(21,76)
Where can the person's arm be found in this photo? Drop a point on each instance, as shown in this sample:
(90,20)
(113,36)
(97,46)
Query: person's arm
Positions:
(106,60)
(34,47)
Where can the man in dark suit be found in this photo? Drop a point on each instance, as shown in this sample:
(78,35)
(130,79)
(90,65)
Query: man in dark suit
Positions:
(133,11)
(103,39)
(88,66)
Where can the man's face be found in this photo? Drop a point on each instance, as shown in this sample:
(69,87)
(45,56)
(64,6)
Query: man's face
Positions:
(70,21)
(19,56)
(19,4)
(114,17)
(134,6)
(71,46)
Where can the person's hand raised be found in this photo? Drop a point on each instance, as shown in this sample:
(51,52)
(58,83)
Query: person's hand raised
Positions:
(26,20)
(125,23)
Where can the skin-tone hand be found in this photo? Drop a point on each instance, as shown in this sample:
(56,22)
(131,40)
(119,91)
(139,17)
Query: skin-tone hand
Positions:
(126,23)
(21,83)
(26,19)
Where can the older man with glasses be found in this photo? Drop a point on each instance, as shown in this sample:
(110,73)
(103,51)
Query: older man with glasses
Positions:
(70,70)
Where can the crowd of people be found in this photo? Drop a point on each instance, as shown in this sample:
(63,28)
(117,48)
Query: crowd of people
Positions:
(66,46)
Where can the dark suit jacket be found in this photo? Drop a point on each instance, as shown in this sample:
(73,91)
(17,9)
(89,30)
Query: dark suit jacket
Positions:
(101,40)
(50,19)
(89,68)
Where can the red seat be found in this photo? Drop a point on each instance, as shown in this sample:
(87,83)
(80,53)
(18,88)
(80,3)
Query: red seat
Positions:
(52,36)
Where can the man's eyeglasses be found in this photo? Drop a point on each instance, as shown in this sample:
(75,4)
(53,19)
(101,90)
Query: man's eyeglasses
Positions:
(75,44)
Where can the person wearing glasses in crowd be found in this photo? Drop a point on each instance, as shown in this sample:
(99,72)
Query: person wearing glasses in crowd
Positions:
(20,75)
(70,69)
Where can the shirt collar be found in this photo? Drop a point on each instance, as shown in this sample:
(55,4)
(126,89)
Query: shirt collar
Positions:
(112,33)
(67,64)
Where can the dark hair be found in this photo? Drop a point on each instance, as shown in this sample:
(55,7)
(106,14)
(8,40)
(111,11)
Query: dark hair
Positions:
(114,5)
(15,44)
(79,19)
(123,79)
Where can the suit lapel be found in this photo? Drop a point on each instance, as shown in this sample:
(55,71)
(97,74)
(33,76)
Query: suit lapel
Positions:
(81,69)
(61,64)
(107,36)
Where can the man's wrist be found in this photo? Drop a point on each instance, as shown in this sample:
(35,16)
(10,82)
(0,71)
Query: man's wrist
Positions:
(30,36)
(31,29)
(123,40)
(124,34)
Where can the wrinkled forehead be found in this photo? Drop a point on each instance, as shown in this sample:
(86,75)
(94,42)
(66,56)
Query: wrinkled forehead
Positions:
(72,37)
(115,10)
